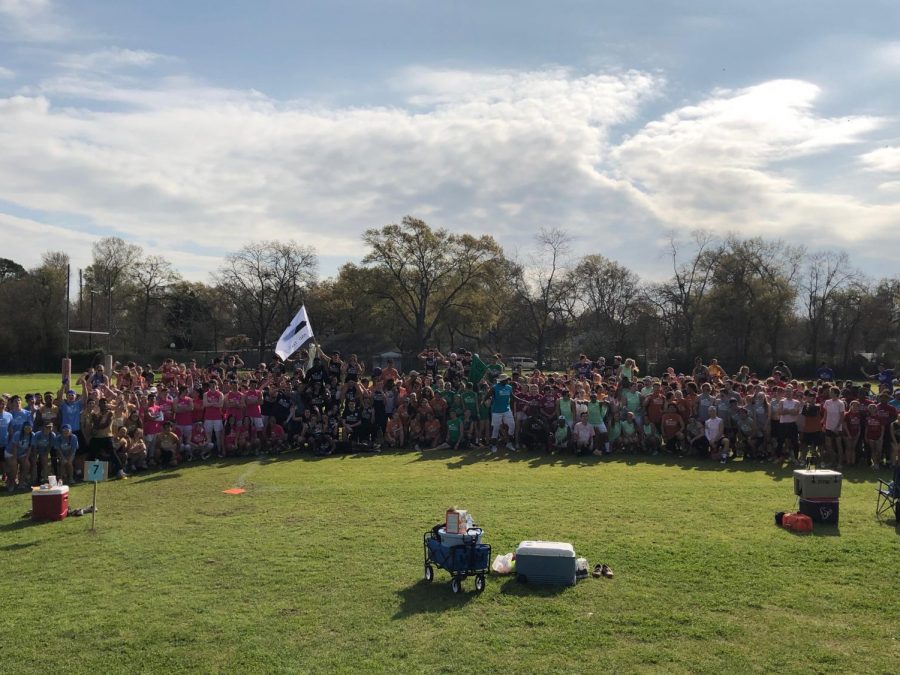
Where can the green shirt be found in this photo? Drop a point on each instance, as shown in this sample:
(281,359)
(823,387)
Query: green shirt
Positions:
(596,412)
(453,430)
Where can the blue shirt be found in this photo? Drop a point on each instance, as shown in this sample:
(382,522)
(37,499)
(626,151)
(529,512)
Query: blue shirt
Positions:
(67,446)
(44,441)
(826,374)
(19,417)
(886,376)
(5,421)
(22,443)
(500,400)
(70,413)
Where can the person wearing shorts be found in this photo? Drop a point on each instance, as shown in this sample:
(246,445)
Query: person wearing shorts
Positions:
(213,403)
(501,415)
(66,447)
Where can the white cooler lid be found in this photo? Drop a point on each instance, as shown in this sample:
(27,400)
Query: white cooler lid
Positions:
(819,473)
(59,490)
(550,549)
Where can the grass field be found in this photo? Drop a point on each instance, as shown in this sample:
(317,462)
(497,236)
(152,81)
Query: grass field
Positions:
(318,567)
(30,383)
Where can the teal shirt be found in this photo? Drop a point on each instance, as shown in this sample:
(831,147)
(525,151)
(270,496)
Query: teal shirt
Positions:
(500,401)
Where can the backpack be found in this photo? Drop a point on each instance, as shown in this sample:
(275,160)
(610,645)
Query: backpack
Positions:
(797,522)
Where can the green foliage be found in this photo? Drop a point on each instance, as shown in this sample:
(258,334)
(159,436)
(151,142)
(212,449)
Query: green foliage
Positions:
(318,568)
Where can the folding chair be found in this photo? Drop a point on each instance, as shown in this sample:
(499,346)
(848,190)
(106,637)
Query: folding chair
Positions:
(889,496)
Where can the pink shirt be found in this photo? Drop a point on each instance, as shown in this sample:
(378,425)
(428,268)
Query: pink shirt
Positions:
(184,419)
(212,410)
(153,420)
(253,398)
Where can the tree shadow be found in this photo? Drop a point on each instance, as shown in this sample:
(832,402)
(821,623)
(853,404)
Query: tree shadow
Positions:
(423,597)
(18,547)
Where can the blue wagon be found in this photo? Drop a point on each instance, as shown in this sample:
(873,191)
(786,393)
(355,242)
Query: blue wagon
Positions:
(461,555)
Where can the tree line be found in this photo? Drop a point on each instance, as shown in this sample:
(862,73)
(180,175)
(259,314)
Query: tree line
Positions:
(746,301)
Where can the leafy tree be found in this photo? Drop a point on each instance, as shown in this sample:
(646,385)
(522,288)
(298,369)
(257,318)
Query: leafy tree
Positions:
(423,272)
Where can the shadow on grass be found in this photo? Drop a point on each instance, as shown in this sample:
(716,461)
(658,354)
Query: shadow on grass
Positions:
(513,586)
(426,598)
(22,523)
(18,547)
(155,477)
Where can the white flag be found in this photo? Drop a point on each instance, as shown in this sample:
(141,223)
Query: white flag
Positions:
(293,337)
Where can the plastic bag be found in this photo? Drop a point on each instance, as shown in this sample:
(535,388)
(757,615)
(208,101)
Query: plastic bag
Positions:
(503,564)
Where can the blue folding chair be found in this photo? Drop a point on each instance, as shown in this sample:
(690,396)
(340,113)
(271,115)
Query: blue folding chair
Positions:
(889,496)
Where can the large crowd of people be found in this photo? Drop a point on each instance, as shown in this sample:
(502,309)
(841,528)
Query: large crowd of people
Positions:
(139,417)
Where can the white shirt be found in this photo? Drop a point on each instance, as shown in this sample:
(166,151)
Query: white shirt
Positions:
(834,414)
(790,411)
(715,429)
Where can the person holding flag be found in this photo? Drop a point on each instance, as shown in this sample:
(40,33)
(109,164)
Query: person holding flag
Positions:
(297,333)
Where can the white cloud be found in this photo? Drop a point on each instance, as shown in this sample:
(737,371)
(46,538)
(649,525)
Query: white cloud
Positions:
(111,59)
(193,165)
(32,21)
(719,164)
(886,160)
(179,167)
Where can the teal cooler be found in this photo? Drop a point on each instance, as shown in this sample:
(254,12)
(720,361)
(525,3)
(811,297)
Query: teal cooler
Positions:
(545,562)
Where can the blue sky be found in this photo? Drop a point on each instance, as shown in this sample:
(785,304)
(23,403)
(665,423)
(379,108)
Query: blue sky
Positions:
(192,127)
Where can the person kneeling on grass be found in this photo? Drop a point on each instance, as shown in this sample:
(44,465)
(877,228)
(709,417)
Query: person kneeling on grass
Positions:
(66,447)
(562,435)
(715,436)
(276,437)
(167,446)
(455,438)
(121,444)
(137,451)
(431,431)
(630,439)
(534,433)
(201,446)
(649,437)
(583,433)
(672,429)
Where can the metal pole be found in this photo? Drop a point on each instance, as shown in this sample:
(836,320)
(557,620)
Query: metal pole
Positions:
(109,321)
(94,508)
(68,326)
(91,326)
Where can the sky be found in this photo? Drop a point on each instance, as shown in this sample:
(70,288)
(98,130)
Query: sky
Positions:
(191,128)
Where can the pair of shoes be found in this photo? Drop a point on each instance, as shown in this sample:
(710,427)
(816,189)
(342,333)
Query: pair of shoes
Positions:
(599,453)
(602,570)
(723,460)
(121,475)
(494,449)
(510,447)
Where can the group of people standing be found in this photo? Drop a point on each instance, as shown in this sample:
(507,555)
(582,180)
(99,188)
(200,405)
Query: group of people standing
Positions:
(143,417)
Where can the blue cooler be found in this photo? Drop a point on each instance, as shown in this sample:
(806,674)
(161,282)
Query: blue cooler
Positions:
(545,562)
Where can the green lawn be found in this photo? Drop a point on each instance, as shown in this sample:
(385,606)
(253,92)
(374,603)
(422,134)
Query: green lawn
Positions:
(30,383)
(318,567)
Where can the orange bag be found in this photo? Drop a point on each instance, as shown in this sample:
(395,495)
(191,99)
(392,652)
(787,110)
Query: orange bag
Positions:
(797,522)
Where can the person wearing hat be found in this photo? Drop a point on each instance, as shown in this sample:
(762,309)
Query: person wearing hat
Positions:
(66,447)
(18,458)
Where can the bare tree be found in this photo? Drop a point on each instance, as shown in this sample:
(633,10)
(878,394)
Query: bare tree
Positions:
(825,274)
(151,276)
(610,294)
(544,288)
(681,297)
(265,281)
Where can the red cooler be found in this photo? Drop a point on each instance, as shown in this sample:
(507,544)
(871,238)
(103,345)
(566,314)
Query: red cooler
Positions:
(50,504)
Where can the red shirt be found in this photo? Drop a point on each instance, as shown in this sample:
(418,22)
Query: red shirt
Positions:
(854,421)
(671,423)
(182,418)
(874,428)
